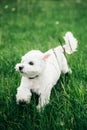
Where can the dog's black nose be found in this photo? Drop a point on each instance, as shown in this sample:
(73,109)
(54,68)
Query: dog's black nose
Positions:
(21,67)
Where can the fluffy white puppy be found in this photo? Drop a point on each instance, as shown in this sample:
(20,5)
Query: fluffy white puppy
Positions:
(41,71)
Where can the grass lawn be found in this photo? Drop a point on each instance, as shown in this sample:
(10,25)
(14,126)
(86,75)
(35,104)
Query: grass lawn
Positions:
(37,24)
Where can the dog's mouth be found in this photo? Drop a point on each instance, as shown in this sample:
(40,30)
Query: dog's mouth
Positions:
(29,76)
(21,71)
(34,77)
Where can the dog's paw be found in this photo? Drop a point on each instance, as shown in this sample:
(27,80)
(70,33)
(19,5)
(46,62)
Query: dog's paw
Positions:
(22,100)
(39,108)
(23,96)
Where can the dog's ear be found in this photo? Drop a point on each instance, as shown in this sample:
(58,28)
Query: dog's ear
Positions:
(46,56)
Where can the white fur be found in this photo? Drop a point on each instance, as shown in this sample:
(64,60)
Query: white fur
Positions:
(45,72)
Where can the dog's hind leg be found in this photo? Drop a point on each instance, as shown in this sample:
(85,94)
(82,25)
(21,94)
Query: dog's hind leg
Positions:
(65,67)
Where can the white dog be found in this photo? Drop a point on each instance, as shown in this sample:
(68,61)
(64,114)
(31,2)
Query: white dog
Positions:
(41,71)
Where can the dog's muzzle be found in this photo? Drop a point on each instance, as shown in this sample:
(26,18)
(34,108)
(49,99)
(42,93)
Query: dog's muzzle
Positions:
(19,67)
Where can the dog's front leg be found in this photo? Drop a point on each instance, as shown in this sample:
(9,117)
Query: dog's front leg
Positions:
(43,100)
(23,95)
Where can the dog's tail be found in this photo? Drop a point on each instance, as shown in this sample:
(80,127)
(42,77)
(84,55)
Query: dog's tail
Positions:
(71,43)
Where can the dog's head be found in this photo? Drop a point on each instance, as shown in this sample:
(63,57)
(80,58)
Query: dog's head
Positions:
(32,64)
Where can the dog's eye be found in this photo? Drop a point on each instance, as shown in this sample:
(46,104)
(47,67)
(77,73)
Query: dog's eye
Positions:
(31,63)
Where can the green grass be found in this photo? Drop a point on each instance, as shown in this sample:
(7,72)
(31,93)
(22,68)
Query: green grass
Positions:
(32,25)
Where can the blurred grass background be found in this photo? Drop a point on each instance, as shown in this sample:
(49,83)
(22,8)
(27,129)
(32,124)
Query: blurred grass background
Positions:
(32,24)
